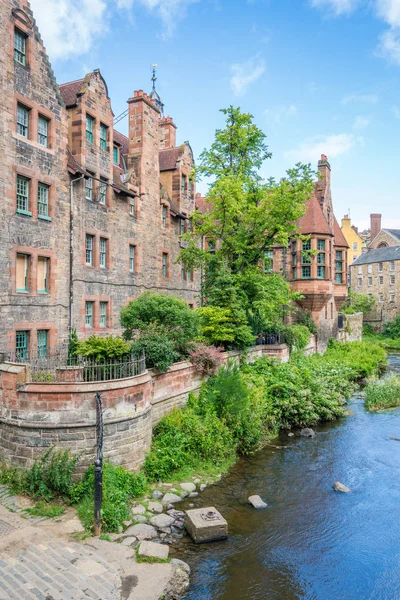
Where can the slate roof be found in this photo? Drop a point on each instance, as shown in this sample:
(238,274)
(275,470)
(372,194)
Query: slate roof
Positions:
(378,255)
(394,232)
(168,158)
(314,221)
(70,90)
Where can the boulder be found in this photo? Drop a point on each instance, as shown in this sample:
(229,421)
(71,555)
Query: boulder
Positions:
(184,495)
(197,481)
(193,495)
(152,550)
(141,531)
(126,523)
(178,584)
(188,487)
(203,487)
(129,541)
(155,507)
(339,487)
(162,521)
(139,509)
(307,432)
(290,434)
(140,519)
(157,495)
(171,498)
(181,563)
(257,502)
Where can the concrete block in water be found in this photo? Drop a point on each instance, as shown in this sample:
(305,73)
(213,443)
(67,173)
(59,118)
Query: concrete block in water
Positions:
(205,525)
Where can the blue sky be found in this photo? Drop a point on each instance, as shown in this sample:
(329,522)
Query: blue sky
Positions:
(319,76)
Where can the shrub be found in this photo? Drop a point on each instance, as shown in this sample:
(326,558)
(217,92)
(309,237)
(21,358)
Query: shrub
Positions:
(303,317)
(100,348)
(159,348)
(224,327)
(51,474)
(297,337)
(72,344)
(384,393)
(392,330)
(206,359)
(358,303)
(363,359)
(171,315)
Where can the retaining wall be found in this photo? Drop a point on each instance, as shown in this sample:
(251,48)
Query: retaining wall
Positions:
(35,416)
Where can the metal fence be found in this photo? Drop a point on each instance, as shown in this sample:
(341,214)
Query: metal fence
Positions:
(58,367)
(270,339)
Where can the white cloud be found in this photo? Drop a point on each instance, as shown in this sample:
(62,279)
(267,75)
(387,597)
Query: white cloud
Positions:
(361,122)
(279,113)
(331,145)
(389,46)
(389,11)
(358,98)
(396,111)
(336,7)
(246,73)
(71,27)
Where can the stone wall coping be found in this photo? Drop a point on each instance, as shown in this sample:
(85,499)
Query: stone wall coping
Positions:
(8,367)
(86,387)
(55,425)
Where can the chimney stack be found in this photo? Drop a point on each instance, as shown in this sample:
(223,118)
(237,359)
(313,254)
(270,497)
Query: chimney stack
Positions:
(167,133)
(376,225)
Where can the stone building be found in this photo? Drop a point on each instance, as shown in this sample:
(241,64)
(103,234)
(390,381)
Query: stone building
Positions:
(377,273)
(90,218)
(382,238)
(320,276)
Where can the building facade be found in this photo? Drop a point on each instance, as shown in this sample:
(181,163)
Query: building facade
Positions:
(316,267)
(354,240)
(377,274)
(90,217)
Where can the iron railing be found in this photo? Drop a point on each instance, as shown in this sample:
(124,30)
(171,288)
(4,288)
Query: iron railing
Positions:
(270,339)
(58,367)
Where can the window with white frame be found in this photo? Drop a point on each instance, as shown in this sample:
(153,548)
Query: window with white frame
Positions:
(103,136)
(89,188)
(392,280)
(43,131)
(22,121)
(43,200)
(89,249)
(165,264)
(103,191)
(392,297)
(132,207)
(380,267)
(359,269)
(103,314)
(20,47)
(380,298)
(103,253)
(369,281)
(369,268)
(89,314)
(132,252)
(89,128)
(380,279)
(355,245)
(391,265)
(22,194)
(359,282)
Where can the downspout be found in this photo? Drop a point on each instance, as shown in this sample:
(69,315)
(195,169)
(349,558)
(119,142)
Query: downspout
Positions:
(71,248)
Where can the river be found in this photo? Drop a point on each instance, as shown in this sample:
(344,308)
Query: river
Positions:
(311,542)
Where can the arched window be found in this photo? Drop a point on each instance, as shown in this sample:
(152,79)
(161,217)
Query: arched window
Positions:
(383,245)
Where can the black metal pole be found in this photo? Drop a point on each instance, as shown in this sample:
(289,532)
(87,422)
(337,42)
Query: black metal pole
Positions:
(98,467)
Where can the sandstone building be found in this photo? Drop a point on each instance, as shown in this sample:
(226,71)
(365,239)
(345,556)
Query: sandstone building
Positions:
(90,218)
(321,275)
(377,273)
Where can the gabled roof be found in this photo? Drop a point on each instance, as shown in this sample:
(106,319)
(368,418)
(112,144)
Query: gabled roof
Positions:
(340,240)
(314,220)
(168,158)
(375,255)
(73,165)
(69,91)
(122,141)
(394,233)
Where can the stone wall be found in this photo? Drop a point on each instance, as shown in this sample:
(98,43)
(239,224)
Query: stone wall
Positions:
(352,328)
(36,416)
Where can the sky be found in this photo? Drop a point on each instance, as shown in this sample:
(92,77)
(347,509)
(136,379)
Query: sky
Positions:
(319,76)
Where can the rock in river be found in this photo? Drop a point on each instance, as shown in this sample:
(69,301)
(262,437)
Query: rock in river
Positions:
(171,499)
(161,521)
(339,487)
(257,502)
(307,432)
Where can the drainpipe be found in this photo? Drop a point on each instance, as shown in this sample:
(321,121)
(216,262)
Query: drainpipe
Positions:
(71,247)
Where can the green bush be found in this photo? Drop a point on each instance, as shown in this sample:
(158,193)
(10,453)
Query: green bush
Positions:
(364,359)
(160,350)
(303,317)
(100,348)
(392,329)
(297,337)
(51,475)
(358,303)
(382,394)
(171,315)
(225,327)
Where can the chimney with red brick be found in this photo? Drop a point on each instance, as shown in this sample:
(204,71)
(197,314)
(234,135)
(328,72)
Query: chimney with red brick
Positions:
(376,225)
(167,133)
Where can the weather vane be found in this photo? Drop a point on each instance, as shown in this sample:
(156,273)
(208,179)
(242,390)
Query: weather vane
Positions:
(154,78)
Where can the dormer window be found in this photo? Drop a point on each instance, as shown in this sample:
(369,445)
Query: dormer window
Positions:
(116,155)
(89,128)
(20,47)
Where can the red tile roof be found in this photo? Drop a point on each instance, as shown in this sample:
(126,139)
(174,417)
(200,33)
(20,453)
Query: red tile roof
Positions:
(314,220)
(340,240)
(202,204)
(69,91)
(169,158)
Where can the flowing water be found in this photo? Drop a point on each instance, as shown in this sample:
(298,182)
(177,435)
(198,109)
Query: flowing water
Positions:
(311,542)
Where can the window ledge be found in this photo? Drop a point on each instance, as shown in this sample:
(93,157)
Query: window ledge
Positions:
(27,213)
(44,218)
(42,292)
(22,291)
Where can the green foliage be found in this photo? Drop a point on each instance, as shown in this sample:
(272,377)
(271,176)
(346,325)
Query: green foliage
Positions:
(51,475)
(225,327)
(72,344)
(100,348)
(171,314)
(362,358)
(392,329)
(383,394)
(159,348)
(119,486)
(46,509)
(44,377)
(358,303)
(297,337)
(303,317)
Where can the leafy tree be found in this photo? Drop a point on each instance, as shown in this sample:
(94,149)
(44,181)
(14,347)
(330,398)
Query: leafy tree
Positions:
(247,215)
(73,343)
(358,303)
(99,348)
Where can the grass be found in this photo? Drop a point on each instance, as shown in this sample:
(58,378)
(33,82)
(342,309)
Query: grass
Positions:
(46,509)
(203,470)
(149,559)
(381,340)
(383,394)
(105,537)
